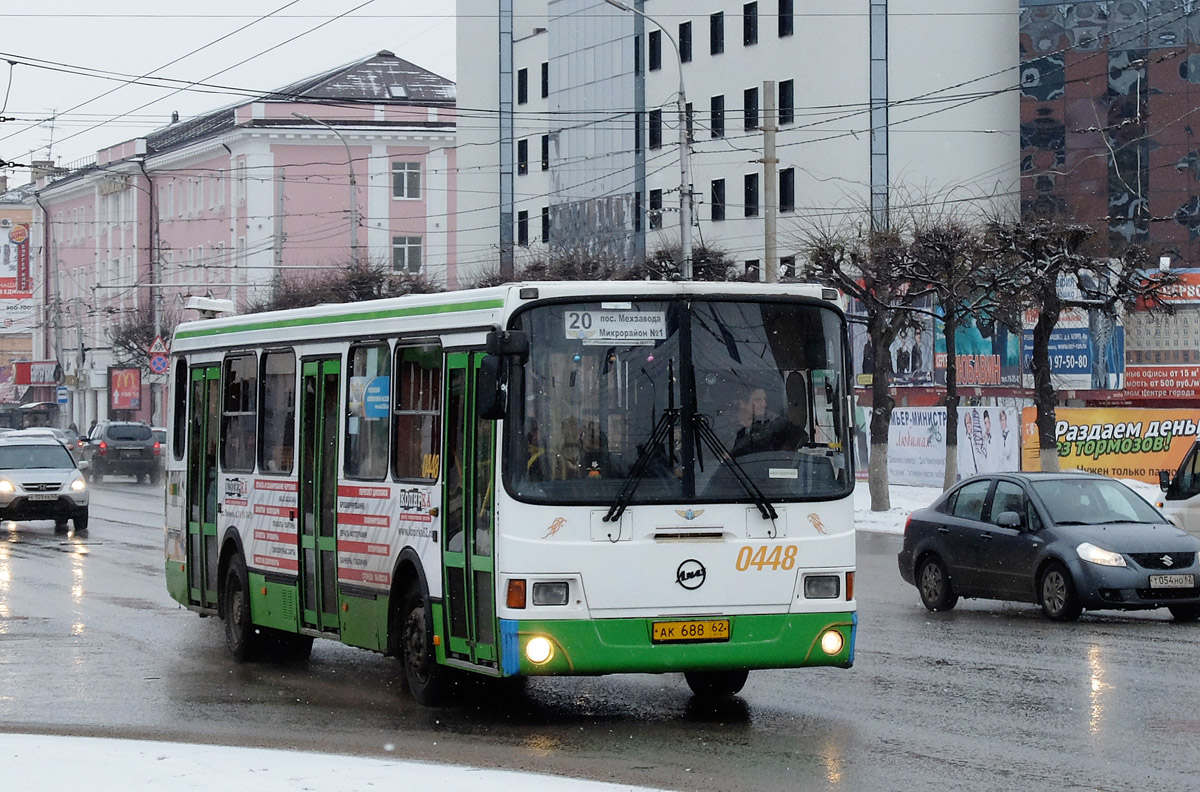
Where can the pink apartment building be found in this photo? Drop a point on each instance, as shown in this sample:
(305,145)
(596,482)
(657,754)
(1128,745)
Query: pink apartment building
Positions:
(354,163)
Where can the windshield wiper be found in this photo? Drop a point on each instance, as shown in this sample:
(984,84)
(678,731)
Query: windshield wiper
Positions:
(662,430)
(705,432)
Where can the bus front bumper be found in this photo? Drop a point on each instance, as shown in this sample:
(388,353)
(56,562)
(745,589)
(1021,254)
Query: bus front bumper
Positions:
(610,646)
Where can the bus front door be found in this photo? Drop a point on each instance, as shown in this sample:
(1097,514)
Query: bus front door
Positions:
(468,527)
(204,420)
(320,387)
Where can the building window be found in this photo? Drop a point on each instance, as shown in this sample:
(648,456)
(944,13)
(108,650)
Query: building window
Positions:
(750,105)
(716,33)
(406,254)
(787,267)
(656,206)
(545,79)
(368,395)
(717,199)
(239,408)
(717,116)
(545,152)
(522,156)
(751,192)
(786,20)
(523,228)
(406,180)
(417,413)
(545,224)
(654,50)
(522,86)
(787,190)
(787,102)
(656,129)
(749,24)
(685,42)
(753,270)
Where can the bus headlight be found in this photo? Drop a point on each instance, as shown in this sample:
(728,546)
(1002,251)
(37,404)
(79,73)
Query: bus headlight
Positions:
(822,587)
(550,593)
(832,642)
(539,650)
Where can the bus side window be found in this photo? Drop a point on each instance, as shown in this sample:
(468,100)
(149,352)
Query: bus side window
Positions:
(277,426)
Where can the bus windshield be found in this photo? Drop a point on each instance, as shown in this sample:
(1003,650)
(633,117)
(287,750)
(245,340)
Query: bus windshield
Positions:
(655,401)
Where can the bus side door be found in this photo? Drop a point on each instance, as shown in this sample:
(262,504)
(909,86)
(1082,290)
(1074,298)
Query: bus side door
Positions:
(468,528)
(204,422)
(320,388)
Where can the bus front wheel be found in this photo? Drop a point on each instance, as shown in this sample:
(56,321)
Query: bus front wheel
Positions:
(426,680)
(241,636)
(716,684)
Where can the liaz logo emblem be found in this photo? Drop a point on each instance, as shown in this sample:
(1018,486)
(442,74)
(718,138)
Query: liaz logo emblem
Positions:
(689,514)
(815,519)
(690,574)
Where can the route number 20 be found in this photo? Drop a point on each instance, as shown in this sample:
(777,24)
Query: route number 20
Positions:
(760,558)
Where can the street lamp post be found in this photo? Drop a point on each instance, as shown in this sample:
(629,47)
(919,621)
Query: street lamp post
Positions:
(353,184)
(685,189)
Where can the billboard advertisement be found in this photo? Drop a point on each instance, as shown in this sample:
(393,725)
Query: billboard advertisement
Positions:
(1163,352)
(124,388)
(17,312)
(1120,442)
(1087,347)
(988,441)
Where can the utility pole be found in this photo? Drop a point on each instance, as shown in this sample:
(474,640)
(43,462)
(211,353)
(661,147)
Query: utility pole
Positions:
(770,179)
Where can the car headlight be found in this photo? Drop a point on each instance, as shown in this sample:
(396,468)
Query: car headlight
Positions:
(1098,555)
(78,485)
(6,486)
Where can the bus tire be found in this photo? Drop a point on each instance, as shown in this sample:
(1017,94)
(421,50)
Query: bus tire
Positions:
(716,684)
(241,636)
(426,680)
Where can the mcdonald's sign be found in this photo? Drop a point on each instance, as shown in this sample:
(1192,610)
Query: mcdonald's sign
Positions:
(124,388)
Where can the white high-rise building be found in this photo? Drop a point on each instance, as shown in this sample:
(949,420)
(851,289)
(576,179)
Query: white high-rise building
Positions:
(883,105)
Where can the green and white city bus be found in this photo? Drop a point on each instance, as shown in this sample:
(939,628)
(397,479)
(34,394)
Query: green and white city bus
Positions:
(531,479)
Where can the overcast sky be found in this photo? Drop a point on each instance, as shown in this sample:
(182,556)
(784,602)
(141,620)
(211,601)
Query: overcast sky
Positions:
(69,92)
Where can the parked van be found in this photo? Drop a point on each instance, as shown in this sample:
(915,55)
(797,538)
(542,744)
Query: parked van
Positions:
(1181,492)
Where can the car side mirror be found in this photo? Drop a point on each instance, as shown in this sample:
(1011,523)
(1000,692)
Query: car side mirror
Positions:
(1164,480)
(1008,519)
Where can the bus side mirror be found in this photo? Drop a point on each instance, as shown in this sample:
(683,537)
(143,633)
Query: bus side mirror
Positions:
(1164,480)
(491,391)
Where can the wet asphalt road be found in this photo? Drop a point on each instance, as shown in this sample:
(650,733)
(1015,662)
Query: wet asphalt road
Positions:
(987,697)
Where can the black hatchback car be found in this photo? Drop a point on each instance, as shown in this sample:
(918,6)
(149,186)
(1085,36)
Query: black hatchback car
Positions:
(123,448)
(1066,541)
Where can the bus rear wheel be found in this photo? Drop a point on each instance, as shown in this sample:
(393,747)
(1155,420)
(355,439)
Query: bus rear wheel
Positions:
(426,680)
(241,636)
(716,684)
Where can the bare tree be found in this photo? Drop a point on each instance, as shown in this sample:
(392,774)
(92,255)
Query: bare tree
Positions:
(867,264)
(348,283)
(945,257)
(1050,269)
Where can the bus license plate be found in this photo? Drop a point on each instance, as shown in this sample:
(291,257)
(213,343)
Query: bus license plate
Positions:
(1172,581)
(690,631)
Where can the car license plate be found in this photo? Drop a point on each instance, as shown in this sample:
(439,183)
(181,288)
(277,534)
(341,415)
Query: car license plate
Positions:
(130,454)
(43,496)
(690,631)
(1172,581)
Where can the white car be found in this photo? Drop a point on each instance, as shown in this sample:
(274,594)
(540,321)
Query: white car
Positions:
(39,480)
(1181,493)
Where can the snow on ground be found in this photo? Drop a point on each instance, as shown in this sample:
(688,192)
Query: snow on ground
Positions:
(102,765)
